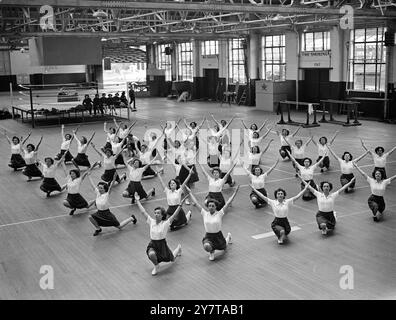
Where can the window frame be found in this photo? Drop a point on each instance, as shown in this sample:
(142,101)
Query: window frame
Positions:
(268,46)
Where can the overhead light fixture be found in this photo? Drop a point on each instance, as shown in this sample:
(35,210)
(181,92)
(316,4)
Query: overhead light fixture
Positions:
(99,14)
(103,39)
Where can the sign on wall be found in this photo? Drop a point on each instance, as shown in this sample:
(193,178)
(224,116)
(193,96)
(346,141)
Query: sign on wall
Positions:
(315,59)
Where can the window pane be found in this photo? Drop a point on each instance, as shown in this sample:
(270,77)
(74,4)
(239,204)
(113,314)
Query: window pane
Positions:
(309,41)
(359,52)
(371,35)
(370,77)
(358,77)
(359,35)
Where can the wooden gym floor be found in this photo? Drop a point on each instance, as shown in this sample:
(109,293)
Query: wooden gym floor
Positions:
(36,231)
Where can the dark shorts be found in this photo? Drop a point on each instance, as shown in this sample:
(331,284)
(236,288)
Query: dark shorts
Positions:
(346,178)
(308,195)
(49,185)
(327,218)
(183,174)
(180,219)
(149,172)
(68,156)
(105,218)
(280,222)
(76,201)
(325,162)
(260,200)
(108,175)
(136,186)
(376,202)
(82,160)
(216,240)
(161,249)
(31,170)
(17,161)
(229,178)
(283,149)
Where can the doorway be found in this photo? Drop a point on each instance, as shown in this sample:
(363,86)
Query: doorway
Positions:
(316,85)
(211,77)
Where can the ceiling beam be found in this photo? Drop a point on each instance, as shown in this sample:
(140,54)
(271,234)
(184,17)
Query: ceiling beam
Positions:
(190,6)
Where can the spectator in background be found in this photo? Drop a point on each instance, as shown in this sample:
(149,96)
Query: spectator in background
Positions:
(97,105)
(87,103)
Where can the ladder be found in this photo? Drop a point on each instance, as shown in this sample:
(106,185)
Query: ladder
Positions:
(242,100)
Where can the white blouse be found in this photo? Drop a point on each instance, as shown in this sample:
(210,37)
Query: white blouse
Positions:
(135,174)
(116,147)
(225,164)
(258,182)
(346,167)
(145,157)
(379,162)
(215,185)
(298,153)
(325,204)
(102,200)
(254,158)
(378,189)
(49,172)
(30,157)
(322,149)
(109,162)
(173,197)
(280,209)
(123,133)
(16,148)
(213,148)
(158,231)
(81,148)
(212,222)
(73,186)
(284,140)
(65,144)
(110,137)
(306,173)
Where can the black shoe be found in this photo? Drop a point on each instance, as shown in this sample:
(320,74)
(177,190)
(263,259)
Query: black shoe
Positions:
(153,193)
(97,232)
(321,170)
(134,219)
(375,219)
(72,212)
(133,201)
(48,194)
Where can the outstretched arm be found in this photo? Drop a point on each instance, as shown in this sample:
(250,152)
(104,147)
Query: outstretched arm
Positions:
(141,208)
(365,147)
(112,182)
(360,157)
(263,125)
(345,186)
(218,123)
(308,141)
(90,139)
(272,168)
(307,185)
(229,201)
(268,132)
(174,215)
(88,172)
(390,151)
(194,199)
(392,178)
(100,153)
(361,171)
(162,182)
(294,160)
(188,178)
(334,136)
(227,174)
(333,153)
(38,144)
(295,132)
(24,141)
(319,162)
(93,186)
(300,194)
(260,194)
(7,137)
(266,148)
(105,127)
(243,123)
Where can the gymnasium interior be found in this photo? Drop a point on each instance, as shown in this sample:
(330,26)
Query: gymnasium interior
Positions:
(319,65)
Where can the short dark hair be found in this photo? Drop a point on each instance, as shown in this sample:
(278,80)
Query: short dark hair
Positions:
(329,183)
(104,185)
(287,131)
(76,171)
(163,212)
(345,153)
(253,124)
(49,158)
(298,141)
(176,181)
(255,167)
(279,189)
(108,150)
(323,138)
(68,135)
(309,159)
(140,162)
(378,149)
(211,200)
(258,149)
(31,146)
(381,172)
(84,139)
(15,137)
(216,169)
(193,123)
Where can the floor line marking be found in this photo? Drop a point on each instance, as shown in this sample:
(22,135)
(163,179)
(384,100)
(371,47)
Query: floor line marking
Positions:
(271,233)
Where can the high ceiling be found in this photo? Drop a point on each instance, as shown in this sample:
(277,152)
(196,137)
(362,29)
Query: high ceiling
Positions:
(142,22)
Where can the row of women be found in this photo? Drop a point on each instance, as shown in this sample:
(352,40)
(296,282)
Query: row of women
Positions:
(141,158)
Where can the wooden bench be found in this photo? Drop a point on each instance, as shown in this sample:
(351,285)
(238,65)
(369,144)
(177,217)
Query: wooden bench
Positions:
(294,123)
(351,106)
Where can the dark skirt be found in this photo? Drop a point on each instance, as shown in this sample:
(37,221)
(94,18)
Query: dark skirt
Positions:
(149,172)
(108,175)
(325,163)
(346,178)
(196,142)
(17,161)
(136,186)
(218,197)
(105,218)
(213,161)
(327,218)
(376,203)
(107,146)
(379,169)
(82,160)
(154,153)
(49,185)
(308,195)
(68,156)
(180,219)
(32,170)
(229,178)
(216,240)
(260,201)
(119,160)
(280,222)
(183,174)
(161,249)
(283,153)
(76,201)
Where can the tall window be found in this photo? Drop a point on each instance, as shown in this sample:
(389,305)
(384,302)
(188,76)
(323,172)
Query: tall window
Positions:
(273,59)
(315,41)
(185,61)
(367,59)
(164,61)
(209,48)
(236,64)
